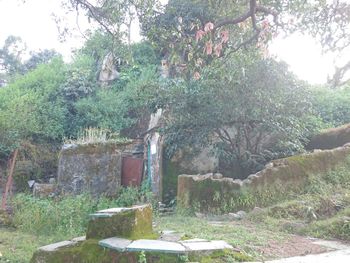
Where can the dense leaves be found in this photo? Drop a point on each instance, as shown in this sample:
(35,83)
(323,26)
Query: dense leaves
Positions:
(252,110)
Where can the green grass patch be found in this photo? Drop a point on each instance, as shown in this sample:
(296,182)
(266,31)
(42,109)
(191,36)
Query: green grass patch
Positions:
(18,247)
(246,237)
(334,227)
(67,216)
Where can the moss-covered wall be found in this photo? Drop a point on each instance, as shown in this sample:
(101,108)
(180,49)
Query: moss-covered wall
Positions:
(186,161)
(94,168)
(331,138)
(213,193)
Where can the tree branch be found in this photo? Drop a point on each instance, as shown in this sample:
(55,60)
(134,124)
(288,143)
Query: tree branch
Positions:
(253,10)
(93,11)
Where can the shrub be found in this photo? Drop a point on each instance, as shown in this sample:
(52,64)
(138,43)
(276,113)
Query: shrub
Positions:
(67,217)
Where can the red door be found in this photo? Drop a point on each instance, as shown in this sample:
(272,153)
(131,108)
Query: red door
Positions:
(132,170)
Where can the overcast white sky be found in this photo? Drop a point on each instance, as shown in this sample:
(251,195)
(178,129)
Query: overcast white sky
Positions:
(34,23)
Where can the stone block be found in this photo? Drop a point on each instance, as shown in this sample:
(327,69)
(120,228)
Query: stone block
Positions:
(131,223)
(200,245)
(156,246)
(56,246)
(115,243)
(44,190)
(93,168)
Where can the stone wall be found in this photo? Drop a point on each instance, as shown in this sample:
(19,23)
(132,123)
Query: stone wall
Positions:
(185,161)
(214,193)
(93,168)
(331,138)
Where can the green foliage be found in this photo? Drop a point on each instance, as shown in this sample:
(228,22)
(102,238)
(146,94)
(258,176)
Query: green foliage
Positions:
(332,105)
(97,135)
(144,54)
(252,110)
(31,108)
(97,47)
(119,107)
(67,217)
(142,257)
(80,79)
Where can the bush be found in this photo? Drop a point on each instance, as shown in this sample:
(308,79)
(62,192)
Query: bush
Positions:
(68,216)
(332,105)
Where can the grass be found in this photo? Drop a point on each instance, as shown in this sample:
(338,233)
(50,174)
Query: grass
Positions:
(242,235)
(322,210)
(18,247)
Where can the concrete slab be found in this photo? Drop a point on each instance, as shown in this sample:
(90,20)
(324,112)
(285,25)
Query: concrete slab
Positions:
(171,236)
(331,244)
(206,245)
(55,246)
(118,244)
(122,209)
(79,239)
(194,240)
(114,210)
(101,215)
(340,256)
(156,246)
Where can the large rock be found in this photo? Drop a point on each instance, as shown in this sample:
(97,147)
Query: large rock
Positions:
(93,168)
(131,223)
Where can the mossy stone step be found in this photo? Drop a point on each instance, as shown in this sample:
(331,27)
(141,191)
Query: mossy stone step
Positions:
(115,243)
(160,246)
(156,246)
(130,223)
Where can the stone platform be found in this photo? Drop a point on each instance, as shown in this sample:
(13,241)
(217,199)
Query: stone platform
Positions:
(123,235)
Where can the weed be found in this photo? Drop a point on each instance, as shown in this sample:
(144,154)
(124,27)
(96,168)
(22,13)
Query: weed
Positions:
(142,257)
(96,135)
(68,216)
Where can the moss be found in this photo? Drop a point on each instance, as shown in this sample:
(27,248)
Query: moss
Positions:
(132,224)
(86,252)
(331,138)
(163,258)
(171,172)
(287,176)
(96,148)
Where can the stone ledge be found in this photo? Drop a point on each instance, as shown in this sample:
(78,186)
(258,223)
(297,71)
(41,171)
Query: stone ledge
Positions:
(130,223)
(182,247)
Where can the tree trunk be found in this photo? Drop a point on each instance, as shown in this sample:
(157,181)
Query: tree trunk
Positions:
(8,186)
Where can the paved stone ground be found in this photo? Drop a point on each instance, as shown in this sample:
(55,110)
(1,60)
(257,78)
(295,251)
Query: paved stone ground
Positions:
(340,255)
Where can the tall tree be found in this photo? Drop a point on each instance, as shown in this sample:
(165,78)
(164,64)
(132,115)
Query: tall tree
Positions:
(195,32)
(251,110)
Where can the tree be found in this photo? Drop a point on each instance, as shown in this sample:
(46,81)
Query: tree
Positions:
(252,110)
(31,108)
(332,105)
(120,106)
(196,32)
(12,59)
